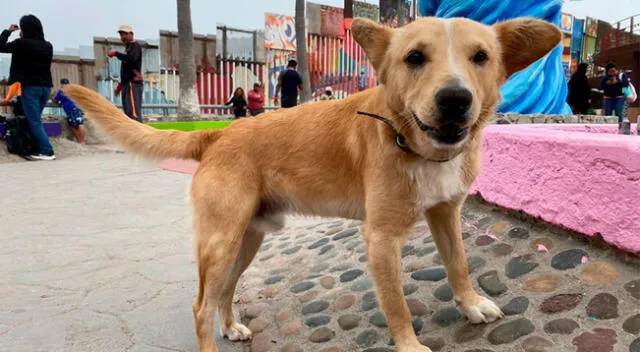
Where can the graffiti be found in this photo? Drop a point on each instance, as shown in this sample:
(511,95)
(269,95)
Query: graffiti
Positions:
(314,18)
(566,24)
(389,12)
(540,88)
(591,27)
(330,20)
(279,32)
(366,10)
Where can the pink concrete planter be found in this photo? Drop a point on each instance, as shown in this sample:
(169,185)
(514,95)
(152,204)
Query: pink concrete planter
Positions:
(583,177)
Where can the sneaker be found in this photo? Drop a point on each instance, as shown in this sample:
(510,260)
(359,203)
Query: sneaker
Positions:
(42,157)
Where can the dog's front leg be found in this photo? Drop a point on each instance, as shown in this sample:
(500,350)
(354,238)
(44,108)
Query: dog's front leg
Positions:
(384,253)
(444,222)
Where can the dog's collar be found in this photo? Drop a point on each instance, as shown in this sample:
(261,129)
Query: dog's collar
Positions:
(400,139)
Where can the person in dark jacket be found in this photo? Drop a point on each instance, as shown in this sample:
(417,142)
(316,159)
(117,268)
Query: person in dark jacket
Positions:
(239,103)
(612,84)
(579,91)
(31,57)
(131,82)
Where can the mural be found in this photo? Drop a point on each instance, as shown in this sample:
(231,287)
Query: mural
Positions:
(591,27)
(279,32)
(389,12)
(566,24)
(366,10)
(541,87)
(330,20)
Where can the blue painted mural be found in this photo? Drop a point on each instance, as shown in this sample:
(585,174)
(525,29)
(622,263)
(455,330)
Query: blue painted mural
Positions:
(541,88)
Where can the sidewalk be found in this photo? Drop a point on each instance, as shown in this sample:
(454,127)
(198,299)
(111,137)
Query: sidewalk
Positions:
(97,255)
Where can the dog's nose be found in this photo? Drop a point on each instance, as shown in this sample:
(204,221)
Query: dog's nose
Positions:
(453,102)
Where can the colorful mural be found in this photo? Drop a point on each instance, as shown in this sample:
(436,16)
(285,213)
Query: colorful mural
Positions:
(389,12)
(279,32)
(591,27)
(330,20)
(539,88)
(566,24)
(366,10)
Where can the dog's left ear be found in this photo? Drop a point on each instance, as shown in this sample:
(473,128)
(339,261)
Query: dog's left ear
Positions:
(524,41)
(374,39)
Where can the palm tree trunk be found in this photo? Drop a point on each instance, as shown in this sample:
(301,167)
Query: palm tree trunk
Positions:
(303,59)
(188,106)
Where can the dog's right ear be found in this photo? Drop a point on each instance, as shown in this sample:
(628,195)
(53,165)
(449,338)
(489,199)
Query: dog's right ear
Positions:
(374,39)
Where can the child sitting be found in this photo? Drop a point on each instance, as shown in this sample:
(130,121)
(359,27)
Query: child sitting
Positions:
(75,117)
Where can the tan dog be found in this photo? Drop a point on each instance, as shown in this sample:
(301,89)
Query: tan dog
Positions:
(440,84)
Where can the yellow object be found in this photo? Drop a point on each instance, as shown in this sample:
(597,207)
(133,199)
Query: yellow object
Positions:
(15,90)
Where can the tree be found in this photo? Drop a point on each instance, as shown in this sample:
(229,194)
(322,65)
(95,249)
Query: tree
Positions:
(188,106)
(303,59)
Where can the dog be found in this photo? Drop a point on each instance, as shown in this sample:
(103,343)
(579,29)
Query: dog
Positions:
(390,155)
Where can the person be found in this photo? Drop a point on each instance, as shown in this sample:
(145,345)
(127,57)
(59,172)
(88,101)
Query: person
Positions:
(131,81)
(31,57)
(328,94)
(239,103)
(290,81)
(75,117)
(256,100)
(579,91)
(612,84)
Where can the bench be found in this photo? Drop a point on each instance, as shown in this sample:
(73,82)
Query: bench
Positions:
(53,129)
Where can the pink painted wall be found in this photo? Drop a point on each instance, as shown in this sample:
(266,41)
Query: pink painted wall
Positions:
(587,182)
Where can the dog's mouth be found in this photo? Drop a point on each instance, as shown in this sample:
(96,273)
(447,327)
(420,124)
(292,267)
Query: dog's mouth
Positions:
(446,134)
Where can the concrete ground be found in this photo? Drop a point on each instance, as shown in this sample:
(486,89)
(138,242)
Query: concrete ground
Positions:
(96,255)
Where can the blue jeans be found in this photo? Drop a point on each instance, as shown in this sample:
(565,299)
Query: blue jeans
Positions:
(34,100)
(616,104)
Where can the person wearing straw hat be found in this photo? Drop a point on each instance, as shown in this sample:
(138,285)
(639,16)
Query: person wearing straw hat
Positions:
(131,82)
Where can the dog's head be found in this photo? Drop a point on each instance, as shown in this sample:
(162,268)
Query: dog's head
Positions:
(442,77)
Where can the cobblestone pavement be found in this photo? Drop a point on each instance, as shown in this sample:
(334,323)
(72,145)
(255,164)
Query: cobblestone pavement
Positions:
(99,258)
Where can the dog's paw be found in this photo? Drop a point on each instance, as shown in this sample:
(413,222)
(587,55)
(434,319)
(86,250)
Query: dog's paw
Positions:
(485,311)
(237,332)
(419,348)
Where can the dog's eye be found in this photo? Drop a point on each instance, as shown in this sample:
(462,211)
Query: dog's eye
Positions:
(415,58)
(480,58)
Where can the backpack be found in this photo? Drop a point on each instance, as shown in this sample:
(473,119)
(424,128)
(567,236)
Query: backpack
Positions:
(19,139)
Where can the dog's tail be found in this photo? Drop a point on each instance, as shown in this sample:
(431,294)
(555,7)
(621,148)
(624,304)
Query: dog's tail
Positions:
(137,137)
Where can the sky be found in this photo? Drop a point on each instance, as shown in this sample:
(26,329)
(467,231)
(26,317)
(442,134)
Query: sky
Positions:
(71,23)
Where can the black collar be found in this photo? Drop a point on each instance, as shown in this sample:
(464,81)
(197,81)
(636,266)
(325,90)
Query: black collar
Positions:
(400,139)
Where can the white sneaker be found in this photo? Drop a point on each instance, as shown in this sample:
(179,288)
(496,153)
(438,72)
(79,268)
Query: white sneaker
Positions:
(42,157)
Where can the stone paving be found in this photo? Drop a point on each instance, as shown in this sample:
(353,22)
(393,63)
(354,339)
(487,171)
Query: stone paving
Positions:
(310,290)
(96,255)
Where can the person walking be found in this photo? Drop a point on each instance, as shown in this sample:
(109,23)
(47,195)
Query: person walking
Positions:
(613,85)
(31,57)
(131,81)
(256,100)
(239,103)
(579,91)
(291,82)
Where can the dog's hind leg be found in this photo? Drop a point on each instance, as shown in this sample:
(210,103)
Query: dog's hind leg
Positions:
(230,327)
(444,222)
(220,222)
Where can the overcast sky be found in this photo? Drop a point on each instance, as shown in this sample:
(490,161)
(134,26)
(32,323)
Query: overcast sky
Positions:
(70,23)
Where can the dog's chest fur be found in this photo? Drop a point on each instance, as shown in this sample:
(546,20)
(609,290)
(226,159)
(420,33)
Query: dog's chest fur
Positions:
(438,182)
